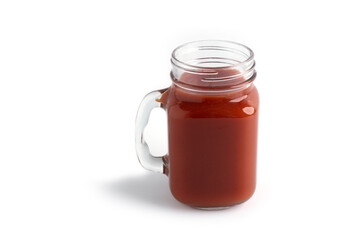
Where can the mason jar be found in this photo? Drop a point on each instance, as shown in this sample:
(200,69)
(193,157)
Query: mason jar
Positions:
(212,109)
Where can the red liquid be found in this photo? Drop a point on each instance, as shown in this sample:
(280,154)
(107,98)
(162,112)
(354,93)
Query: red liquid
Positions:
(212,145)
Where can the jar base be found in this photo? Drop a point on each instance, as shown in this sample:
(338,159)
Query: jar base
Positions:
(212,208)
(217,208)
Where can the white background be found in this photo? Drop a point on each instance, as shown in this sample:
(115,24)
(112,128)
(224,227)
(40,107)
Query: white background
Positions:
(72,74)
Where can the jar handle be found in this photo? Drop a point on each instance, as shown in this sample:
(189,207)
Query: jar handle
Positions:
(148,161)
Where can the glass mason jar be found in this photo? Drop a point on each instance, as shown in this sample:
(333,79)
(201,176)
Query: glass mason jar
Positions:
(212,109)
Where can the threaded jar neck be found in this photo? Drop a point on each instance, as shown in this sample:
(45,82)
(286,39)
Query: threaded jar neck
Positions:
(212,65)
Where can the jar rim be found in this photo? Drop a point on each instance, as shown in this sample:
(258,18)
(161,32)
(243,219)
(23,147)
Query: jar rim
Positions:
(216,44)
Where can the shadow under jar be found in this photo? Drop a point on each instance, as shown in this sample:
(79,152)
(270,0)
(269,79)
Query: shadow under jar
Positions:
(212,109)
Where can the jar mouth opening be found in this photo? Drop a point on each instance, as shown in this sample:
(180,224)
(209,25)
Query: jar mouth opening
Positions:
(212,64)
(204,55)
